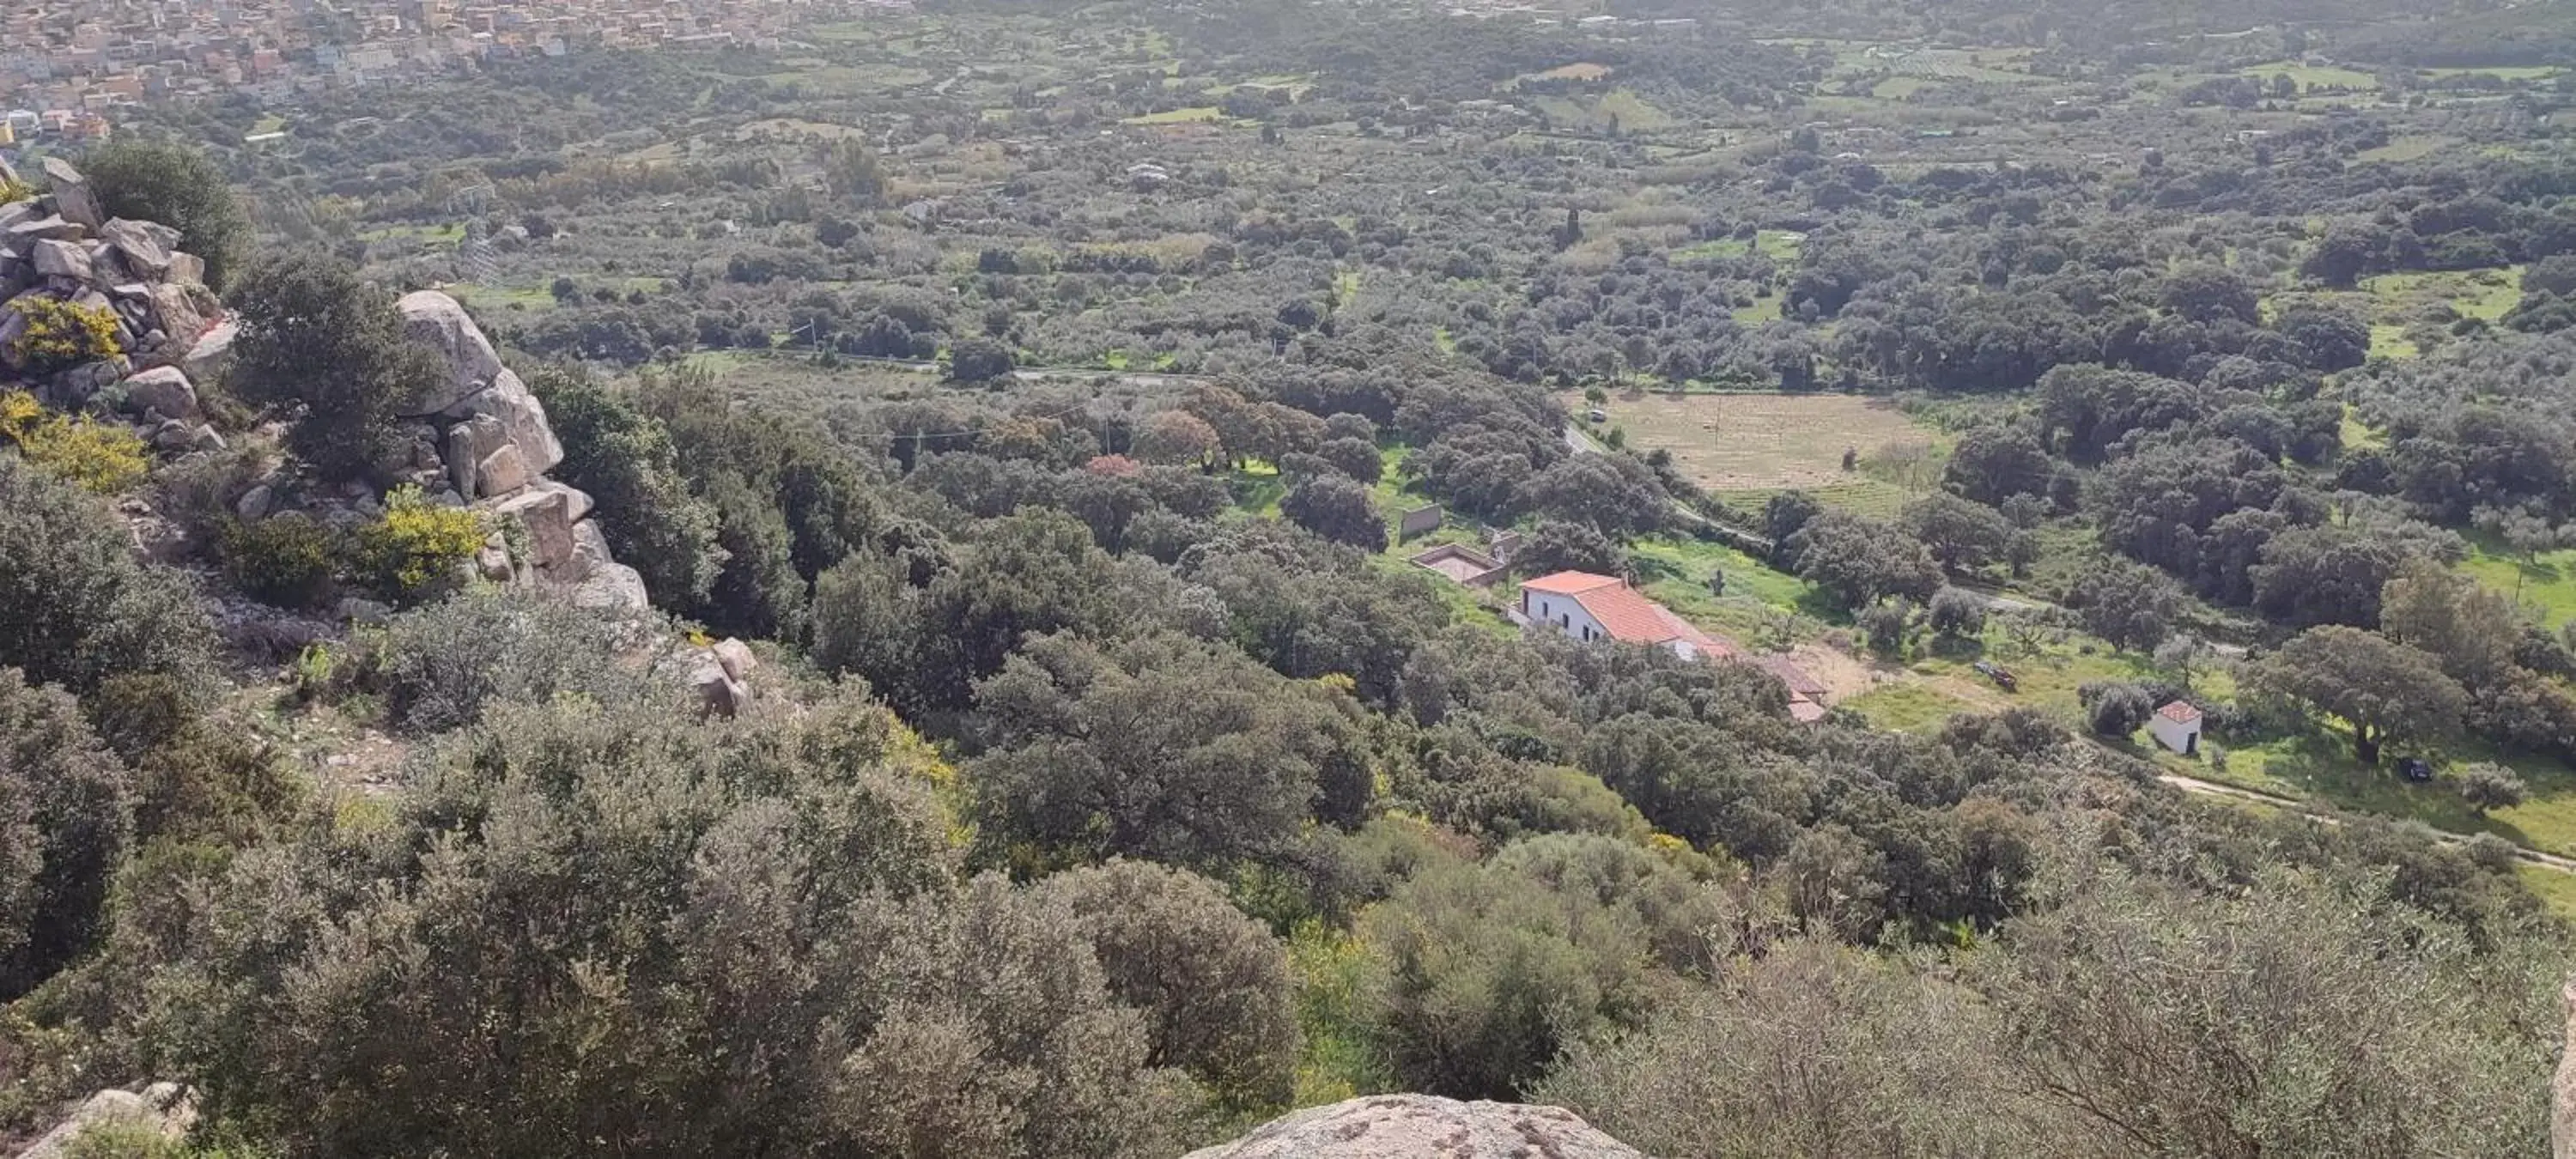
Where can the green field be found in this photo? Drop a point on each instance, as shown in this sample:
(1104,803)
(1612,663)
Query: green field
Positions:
(2322,768)
(2393,302)
(2313,76)
(2545,586)
(2408,148)
(1179,116)
(1780,245)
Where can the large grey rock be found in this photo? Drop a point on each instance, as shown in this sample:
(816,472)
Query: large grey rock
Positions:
(522,416)
(548,511)
(435,318)
(503,471)
(721,695)
(736,658)
(36,229)
(73,196)
(167,1110)
(211,354)
(589,553)
(478,384)
(182,321)
(615,588)
(468,444)
(165,389)
(1424,1127)
(144,246)
(63,259)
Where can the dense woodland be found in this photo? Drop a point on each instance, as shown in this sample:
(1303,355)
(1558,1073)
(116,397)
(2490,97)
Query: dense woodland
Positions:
(1035,390)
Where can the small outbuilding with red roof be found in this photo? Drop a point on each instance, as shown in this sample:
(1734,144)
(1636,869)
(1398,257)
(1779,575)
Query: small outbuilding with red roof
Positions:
(2177,726)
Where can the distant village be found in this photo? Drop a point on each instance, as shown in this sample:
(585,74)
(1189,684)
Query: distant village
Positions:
(67,65)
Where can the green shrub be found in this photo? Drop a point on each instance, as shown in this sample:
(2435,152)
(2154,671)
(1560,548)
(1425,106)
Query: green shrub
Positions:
(61,335)
(418,549)
(104,458)
(65,817)
(441,666)
(76,605)
(288,560)
(178,186)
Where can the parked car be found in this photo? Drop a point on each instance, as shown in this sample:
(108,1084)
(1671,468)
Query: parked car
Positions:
(2415,769)
(1597,415)
(2002,676)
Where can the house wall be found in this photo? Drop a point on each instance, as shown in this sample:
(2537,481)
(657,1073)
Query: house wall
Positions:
(1562,614)
(2173,735)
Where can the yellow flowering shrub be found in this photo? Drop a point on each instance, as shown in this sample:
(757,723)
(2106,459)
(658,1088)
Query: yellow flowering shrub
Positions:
(61,334)
(418,547)
(104,458)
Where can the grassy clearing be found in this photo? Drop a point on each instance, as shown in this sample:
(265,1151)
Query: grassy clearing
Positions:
(2501,72)
(2393,302)
(1780,245)
(1179,116)
(821,79)
(1633,112)
(2314,76)
(2555,889)
(1740,442)
(1864,496)
(448,234)
(522,298)
(2545,586)
(2484,294)
(2321,768)
(2407,148)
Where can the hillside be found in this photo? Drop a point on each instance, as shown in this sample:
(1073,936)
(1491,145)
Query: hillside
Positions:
(1228,582)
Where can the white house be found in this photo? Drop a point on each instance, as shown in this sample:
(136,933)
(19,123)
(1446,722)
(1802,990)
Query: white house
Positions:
(2177,726)
(1598,607)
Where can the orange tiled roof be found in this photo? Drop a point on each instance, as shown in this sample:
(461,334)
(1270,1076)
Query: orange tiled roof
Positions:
(1634,619)
(1570,583)
(2179,713)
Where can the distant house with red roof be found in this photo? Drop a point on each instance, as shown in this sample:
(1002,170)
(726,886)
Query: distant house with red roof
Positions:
(1598,607)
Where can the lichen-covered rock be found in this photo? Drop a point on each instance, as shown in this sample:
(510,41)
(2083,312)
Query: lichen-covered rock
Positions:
(165,1109)
(163,389)
(1423,1127)
(615,588)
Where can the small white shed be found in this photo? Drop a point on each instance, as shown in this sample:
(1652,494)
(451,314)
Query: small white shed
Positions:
(2177,726)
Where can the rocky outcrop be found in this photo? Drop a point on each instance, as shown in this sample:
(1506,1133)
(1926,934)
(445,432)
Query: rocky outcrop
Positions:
(61,246)
(722,676)
(166,1110)
(485,435)
(478,387)
(1423,1127)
